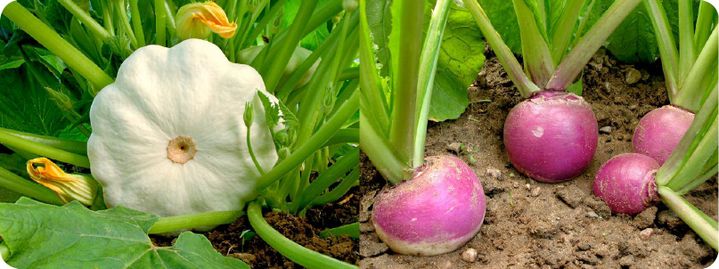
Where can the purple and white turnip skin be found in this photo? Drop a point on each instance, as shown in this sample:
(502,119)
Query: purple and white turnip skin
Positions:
(626,183)
(660,131)
(437,211)
(552,136)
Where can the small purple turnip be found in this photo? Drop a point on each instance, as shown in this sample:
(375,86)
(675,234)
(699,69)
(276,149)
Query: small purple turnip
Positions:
(660,131)
(626,183)
(437,211)
(552,136)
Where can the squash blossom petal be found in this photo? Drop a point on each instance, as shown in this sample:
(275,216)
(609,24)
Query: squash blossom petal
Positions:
(198,20)
(67,186)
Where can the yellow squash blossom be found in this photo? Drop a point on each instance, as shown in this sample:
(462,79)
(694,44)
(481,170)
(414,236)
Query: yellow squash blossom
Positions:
(198,20)
(67,186)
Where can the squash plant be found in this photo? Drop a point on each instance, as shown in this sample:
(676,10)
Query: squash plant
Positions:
(184,137)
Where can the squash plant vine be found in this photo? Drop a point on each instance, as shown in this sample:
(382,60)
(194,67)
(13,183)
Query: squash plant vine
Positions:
(306,58)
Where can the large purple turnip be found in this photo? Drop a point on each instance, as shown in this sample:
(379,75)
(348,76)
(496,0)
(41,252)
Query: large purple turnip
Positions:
(552,136)
(660,131)
(626,183)
(437,211)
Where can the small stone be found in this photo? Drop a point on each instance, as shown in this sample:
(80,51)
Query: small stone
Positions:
(605,129)
(528,186)
(592,214)
(633,76)
(515,185)
(494,172)
(536,191)
(584,247)
(469,255)
(455,147)
(646,233)
(446,265)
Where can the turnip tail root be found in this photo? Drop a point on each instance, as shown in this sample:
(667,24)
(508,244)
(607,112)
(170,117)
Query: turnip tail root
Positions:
(660,131)
(626,183)
(552,136)
(437,211)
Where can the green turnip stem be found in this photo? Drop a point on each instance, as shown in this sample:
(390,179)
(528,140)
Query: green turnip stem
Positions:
(687,54)
(184,222)
(575,60)
(325,179)
(67,145)
(160,20)
(697,146)
(393,168)
(374,103)
(30,146)
(316,141)
(86,19)
(538,61)
(667,46)
(282,51)
(137,23)
(427,68)
(702,224)
(13,182)
(565,29)
(121,10)
(690,95)
(352,230)
(340,190)
(287,247)
(504,54)
(703,26)
(404,116)
(57,45)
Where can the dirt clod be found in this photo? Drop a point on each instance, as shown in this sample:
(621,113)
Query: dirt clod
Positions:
(646,218)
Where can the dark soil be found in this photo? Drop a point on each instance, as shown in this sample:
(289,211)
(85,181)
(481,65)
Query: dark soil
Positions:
(235,239)
(536,225)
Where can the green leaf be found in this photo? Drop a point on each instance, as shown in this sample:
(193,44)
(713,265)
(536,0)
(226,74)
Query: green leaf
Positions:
(26,106)
(633,40)
(380,25)
(44,236)
(460,58)
(10,63)
(501,14)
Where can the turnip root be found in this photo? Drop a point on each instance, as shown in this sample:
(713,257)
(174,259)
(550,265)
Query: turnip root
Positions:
(660,131)
(552,136)
(437,211)
(626,183)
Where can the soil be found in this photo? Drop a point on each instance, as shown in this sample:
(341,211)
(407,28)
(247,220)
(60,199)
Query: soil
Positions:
(536,225)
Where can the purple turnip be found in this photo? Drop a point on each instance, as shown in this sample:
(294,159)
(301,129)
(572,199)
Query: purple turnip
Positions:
(626,183)
(552,136)
(437,211)
(660,131)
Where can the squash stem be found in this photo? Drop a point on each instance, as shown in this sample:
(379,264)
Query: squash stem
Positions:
(86,19)
(137,23)
(30,146)
(67,145)
(325,179)
(287,247)
(349,181)
(160,20)
(57,45)
(184,222)
(13,182)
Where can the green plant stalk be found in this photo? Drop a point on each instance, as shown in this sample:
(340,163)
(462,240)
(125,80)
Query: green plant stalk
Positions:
(107,18)
(690,94)
(137,23)
(374,102)
(325,179)
(676,170)
(287,247)
(252,152)
(349,74)
(160,20)
(703,26)
(170,17)
(13,182)
(13,141)
(58,46)
(692,169)
(4,251)
(282,51)
(94,27)
(427,68)
(538,62)
(393,168)
(514,70)
(272,15)
(352,230)
(344,136)
(564,28)
(318,140)
(403,125)
(585,48)
(703,225)
(120,8)
(667,46)
(340,190)
(184,222)
(66,145)
(687,54)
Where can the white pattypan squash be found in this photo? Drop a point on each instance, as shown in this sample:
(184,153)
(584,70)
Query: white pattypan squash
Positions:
(168,135)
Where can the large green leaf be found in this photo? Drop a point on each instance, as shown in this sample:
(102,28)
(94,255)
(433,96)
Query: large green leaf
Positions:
(460,58)
(633,40)
(45,236)
(26,106)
